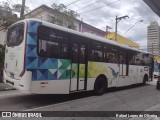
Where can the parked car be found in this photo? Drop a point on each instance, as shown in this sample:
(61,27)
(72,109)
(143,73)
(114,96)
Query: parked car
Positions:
(158,83)
(155,74)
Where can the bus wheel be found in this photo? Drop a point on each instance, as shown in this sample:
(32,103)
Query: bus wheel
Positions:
(100,85)
(145,79)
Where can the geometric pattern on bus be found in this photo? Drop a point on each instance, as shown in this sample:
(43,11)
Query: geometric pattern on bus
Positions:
(74,70)
(43,68)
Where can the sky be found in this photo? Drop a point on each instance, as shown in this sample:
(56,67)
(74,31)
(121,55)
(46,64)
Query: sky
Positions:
(102,13)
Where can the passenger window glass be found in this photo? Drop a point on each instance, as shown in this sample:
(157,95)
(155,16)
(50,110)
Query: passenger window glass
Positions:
(75,53)
(147,59)
(111,55)
(15,35)
(82,54)
(122,58)
(52,43)
(96,52)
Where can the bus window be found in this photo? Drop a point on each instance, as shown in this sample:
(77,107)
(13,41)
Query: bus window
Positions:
(82,53)
(52,43)
(139,59)
(96,52)
(132,58)
(64,50)
(105,51)
(75,53)
(15,35)
(147,59)
(52,49)
(122,58)
(111,55)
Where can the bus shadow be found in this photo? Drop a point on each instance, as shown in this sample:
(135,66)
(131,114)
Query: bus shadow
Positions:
(114,89)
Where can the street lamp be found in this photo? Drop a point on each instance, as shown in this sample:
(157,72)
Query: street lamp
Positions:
(133,26)
(117,20)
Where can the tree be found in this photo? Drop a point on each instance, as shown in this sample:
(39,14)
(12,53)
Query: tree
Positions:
(7,17)
(64,17)
(17,8)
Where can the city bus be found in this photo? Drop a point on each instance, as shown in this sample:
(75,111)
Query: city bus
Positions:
(44,58)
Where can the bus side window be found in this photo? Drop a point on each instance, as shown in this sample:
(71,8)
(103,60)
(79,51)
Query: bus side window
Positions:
(75,53)
(64,50)
(53,49)
(122,58)
(82,54)
(96,52)
(112,56)
(105,52)
(52,43)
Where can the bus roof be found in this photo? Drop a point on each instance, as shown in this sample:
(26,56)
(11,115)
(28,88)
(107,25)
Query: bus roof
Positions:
(90,36)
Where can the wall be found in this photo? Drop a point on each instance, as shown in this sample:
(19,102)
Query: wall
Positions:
(90,29)
(2,37)
(122,40)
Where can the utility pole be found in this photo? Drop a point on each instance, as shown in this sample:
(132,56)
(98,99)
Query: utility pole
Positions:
(117,20)
(152,48)
(22,9)
(107,30)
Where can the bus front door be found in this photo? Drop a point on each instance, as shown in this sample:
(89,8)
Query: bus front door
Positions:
(78,67)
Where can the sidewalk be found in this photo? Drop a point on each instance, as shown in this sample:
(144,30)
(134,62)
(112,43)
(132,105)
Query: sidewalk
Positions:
(5,87)
(153,82)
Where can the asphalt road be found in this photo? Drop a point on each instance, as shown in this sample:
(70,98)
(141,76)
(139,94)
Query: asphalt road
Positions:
(135,98)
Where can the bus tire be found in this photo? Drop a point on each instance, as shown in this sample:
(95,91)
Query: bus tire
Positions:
(145,79)
(100,85)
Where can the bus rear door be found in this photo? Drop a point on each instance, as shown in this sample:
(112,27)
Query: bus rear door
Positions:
(78,67)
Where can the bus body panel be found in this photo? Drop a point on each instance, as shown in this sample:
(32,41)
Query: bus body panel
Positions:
(23,84)
(50,87)
(14,55)
(111,71)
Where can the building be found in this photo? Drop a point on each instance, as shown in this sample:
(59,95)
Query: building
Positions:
(153,38)
(2,37)
(2,33)
(122,40)
(46,13)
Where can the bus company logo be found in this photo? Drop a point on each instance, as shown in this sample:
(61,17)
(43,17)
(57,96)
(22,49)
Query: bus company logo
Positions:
(21,114)
(6,114)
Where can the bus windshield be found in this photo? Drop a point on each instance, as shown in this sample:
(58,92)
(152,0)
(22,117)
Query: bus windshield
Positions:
(15,35)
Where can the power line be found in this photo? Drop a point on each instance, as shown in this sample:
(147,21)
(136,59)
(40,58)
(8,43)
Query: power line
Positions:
(10,3)
(72,3)
(100,7)
(84,3)
(88,5)
(132,27)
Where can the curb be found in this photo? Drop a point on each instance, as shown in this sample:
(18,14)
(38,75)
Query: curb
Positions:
(7,89)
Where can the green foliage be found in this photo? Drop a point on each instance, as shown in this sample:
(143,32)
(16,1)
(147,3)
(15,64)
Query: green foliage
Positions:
(17,8)
(64,17)
(2,55)
(6,16)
